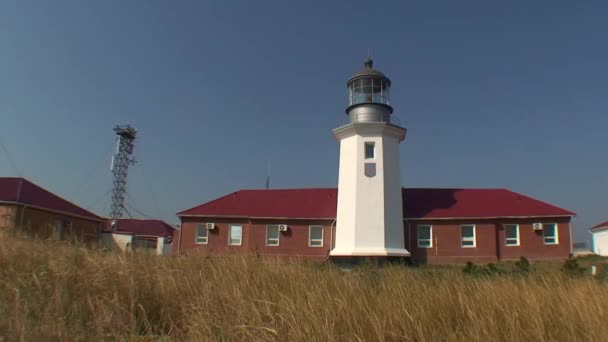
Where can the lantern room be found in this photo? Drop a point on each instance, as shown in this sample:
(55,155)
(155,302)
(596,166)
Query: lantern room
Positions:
(368,86)
(369,95)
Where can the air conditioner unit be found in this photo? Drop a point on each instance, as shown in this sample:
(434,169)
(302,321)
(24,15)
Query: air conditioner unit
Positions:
(282,227)
(537,226)
(210,226)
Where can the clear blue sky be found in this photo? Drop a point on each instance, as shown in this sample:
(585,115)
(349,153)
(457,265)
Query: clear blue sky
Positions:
(494,94)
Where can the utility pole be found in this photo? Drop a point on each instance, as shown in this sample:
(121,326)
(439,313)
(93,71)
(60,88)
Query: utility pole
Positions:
(120,167)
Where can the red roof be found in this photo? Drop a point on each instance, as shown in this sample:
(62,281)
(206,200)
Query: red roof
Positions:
(463,203)
(418,203)
(143,227)
(20,190)
(600,226)
(285,203)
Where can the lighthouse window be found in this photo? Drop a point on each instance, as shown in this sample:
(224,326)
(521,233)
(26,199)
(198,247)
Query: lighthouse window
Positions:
(370,150)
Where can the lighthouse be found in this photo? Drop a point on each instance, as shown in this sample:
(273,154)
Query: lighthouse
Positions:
(369,221)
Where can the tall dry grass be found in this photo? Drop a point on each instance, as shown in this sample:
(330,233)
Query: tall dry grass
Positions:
(52,290)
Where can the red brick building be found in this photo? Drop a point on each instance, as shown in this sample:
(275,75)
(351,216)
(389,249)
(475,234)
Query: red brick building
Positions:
(154,236)
(370,215)
(439,225)
(34,210)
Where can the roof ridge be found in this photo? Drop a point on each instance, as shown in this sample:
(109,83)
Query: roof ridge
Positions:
(206,203)
(288,189)
(54,194)
(19,188)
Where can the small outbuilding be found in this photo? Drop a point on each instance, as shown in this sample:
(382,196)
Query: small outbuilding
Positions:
(33,210)
(600,238)
(154,236)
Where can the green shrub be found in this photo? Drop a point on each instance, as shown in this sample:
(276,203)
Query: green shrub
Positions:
(572,268)
(523,265)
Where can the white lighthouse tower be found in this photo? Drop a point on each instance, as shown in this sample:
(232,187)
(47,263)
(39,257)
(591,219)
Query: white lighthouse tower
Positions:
(369,220)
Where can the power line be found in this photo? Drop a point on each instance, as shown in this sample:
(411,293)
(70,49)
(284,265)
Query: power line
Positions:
(146,183)
(11,160)
(97,200)
(83,184)
(139,211)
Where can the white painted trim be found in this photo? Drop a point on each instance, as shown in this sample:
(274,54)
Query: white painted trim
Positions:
(468,239)
(203,227)
(430,235)
(571,241)
(556,234)
(369,128)
(371,252)
(310,236)
(278,235)
(516,230)
(230,234)
(484,217)
(263,217)
(598,229)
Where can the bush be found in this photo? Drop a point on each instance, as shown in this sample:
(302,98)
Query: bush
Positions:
(523,265)
(572,268)
(472,269)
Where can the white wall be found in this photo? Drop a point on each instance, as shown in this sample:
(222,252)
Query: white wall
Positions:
(370,213)
(600,242)
(118,240)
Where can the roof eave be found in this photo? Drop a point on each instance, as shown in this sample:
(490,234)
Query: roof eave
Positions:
(98,219)
(260,217)
(485,217)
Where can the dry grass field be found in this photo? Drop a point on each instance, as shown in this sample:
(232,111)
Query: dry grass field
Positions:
(56,291)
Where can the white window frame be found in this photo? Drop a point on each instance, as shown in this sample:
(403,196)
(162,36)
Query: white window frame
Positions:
(267,241)
(556,237)
(311,240)
(430,239)
(373,145)
(474,238)
(205,239)
(230,235)
(517,238)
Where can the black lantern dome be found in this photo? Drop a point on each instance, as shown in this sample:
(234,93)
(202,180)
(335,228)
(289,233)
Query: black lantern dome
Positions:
(368,86)
(369,89)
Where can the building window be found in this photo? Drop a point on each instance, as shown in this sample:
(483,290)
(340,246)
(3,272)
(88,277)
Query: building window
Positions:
(235,235)
(512,235)
(61,228)
(467,236)
(202,234)
(550,233)
(315,236)
(272,235)
(144,243)
(370,150)
(425,236)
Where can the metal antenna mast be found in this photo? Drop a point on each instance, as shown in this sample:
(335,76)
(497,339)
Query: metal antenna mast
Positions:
(120,166)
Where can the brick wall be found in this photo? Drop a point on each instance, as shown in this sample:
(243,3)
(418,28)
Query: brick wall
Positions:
(293,243)
(490,241)
(41,223)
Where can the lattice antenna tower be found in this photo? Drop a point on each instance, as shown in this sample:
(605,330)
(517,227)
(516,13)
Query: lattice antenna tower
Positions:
(121,161)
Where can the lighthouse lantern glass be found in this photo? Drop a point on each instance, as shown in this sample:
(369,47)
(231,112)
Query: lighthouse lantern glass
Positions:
(368,90)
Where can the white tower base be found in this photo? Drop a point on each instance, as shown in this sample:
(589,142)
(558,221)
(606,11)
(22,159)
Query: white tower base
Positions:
(369,219)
